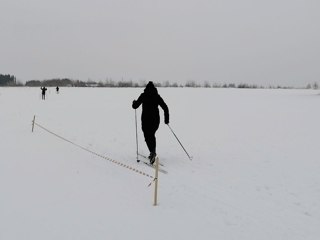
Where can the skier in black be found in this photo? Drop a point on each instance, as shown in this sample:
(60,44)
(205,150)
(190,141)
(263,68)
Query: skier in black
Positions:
(43,90)
(57,88)
(150,100)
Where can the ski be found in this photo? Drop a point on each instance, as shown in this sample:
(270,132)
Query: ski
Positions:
(145,157)
(153,166)
(150,165)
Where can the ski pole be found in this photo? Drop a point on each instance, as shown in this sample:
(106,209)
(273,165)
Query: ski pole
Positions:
(135,111)
(180,143)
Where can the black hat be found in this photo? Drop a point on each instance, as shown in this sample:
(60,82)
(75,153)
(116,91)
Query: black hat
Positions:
(150,85)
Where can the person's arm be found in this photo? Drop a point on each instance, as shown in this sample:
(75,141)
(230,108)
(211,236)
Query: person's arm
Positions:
(165,108)
(137,103)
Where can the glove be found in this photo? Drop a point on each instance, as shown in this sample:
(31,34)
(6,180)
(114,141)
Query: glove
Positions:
(166,121)
(133,103)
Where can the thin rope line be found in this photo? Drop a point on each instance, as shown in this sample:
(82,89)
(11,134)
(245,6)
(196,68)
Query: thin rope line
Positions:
(99,155)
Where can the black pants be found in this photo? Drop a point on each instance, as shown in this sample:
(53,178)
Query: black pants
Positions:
(149,132)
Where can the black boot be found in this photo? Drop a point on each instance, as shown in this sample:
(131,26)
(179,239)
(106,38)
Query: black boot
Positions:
(152,157)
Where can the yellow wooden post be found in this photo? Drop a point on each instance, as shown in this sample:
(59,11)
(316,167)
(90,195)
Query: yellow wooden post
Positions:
(156,183)
(34,119)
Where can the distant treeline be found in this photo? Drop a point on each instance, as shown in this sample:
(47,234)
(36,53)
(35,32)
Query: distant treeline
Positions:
(65,82)
(10,80)
(7,80)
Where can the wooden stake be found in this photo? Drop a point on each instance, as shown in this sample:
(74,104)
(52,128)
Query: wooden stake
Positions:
(34,119)
(156,183)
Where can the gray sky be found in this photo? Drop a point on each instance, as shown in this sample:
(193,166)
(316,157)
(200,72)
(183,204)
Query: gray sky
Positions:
(220,41)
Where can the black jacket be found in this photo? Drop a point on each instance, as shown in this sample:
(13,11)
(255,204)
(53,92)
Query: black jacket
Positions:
(150,100)
(43,89)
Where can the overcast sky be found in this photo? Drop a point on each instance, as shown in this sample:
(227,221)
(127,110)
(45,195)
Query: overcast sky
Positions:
(220,41)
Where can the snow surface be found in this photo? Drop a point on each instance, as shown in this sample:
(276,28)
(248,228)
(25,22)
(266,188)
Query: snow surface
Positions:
(255,172)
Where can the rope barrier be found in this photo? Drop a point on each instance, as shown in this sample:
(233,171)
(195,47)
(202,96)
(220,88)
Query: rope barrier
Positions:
(97,154)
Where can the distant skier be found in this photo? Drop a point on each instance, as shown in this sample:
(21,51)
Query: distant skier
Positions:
(57,88)
(43,90)
(150,100)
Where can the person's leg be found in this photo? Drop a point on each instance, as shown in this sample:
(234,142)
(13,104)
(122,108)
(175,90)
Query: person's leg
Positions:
(151,143)
(150,139)
(149,129)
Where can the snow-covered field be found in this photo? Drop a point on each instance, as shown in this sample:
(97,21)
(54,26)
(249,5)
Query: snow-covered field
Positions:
(255,172)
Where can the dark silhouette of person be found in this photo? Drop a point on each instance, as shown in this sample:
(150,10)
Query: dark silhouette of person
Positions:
(57,88)
(150,119)
(43,90)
